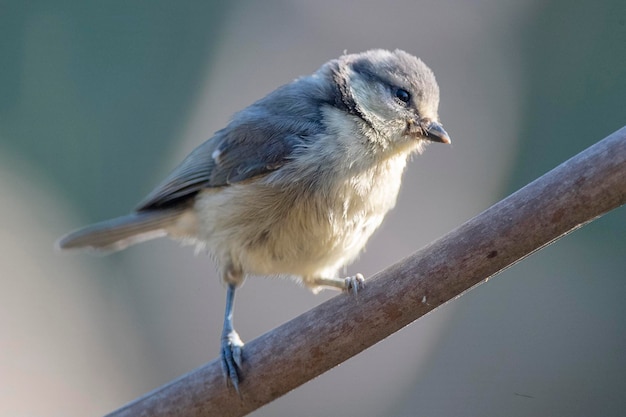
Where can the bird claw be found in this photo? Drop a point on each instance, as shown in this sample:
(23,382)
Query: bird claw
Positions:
(231,354)
(355,283)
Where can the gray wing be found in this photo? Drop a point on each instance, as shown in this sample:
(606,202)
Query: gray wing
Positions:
(236,153)
(260,139)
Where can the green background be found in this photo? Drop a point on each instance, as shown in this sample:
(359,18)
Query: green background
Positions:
(99,100)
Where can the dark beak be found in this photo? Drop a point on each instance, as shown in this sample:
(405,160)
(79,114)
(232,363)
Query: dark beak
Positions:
(436,133)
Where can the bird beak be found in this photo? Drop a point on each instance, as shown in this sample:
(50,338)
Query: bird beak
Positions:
(436,133)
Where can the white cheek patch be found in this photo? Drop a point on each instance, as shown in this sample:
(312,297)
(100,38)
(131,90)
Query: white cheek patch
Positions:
(372,99)
(365,94)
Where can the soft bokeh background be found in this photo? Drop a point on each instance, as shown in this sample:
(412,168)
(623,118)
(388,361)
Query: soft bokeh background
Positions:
(100,100)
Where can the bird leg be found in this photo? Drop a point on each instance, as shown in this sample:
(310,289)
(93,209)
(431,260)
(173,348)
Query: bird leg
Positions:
(349,284)
(231,344)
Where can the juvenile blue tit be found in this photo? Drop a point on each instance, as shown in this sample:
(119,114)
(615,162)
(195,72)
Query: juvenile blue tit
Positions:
(296,183)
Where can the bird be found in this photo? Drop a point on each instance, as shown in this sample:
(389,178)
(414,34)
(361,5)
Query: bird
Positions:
(295,184)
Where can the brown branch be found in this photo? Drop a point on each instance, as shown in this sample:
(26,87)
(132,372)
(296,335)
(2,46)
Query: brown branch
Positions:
(573,194)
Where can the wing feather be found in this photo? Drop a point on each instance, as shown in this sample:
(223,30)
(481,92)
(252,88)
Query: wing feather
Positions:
(260,139)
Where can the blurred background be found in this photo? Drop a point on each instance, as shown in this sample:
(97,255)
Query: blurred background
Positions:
(100,100)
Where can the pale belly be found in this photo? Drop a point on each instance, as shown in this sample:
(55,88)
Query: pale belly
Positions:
(263,230)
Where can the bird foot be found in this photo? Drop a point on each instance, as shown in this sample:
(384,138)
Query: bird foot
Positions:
(231,351)
(355,283)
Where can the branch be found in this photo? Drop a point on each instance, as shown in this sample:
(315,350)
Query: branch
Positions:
(571,195)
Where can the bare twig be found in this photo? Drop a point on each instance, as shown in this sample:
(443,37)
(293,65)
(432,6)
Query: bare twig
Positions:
(573,194)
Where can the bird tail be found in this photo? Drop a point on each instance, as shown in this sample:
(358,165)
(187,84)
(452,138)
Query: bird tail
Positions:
(121,232)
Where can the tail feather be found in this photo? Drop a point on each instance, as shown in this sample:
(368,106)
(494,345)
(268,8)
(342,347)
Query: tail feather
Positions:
(121,232)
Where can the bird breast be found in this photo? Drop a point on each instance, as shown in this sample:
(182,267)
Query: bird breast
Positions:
(311,230)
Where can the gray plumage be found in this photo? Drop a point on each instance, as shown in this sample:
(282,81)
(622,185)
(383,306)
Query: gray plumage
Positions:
(297,182)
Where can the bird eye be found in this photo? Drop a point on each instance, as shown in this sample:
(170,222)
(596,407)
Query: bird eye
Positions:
(403,95)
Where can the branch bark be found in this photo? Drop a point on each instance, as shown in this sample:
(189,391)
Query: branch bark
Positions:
(571,195)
